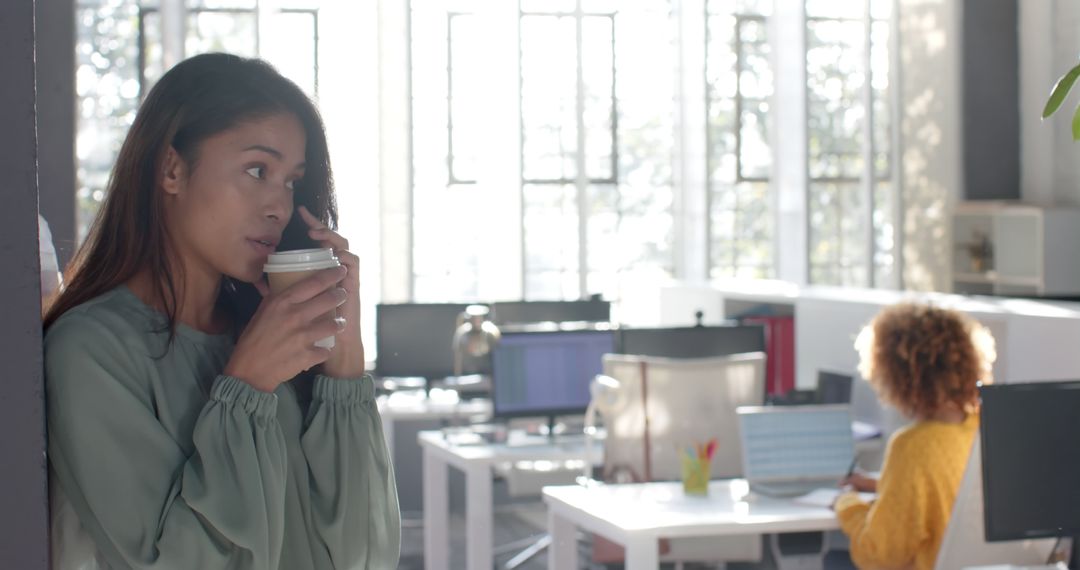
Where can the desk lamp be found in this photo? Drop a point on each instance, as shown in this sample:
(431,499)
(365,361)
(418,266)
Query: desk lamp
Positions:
(474,339)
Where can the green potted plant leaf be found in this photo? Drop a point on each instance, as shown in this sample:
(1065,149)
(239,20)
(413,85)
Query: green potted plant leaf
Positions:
(1057,96)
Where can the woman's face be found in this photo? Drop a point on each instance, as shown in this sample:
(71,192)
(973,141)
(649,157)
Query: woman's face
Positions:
(227,211)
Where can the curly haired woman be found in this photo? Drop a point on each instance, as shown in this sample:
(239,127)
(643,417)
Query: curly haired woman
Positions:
(927,362)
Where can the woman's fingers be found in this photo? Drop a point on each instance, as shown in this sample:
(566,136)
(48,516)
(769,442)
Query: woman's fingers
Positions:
(321,304)
(310,287)
(309,218)
(319,232)
(321,329)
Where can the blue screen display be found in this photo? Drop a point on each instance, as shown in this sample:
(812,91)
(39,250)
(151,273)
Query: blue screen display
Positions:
(547,373)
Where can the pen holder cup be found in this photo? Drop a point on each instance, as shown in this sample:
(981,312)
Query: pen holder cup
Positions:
(695,476)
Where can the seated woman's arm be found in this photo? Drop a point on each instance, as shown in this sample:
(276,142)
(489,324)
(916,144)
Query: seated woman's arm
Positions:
(888,532)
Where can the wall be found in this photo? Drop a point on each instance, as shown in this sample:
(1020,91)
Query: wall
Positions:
(1034,339)
(395,153)
(931,139)
(23,498)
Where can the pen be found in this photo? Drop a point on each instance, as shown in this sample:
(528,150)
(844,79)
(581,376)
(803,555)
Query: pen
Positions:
(851,469)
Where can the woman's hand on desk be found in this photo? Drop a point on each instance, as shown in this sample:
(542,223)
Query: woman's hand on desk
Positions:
(860,483)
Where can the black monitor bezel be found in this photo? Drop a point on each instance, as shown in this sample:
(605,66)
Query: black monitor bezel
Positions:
(991,532)
(429,374)
(624,331)
(586,307)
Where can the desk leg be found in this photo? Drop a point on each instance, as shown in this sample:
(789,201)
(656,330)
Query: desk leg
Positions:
(478,518)
(436,513)
(642,554)
(562,555)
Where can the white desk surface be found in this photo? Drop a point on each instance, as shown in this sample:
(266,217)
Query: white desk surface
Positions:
(461,451)
(408,407)
(412,406)
(637,515)
(663,510)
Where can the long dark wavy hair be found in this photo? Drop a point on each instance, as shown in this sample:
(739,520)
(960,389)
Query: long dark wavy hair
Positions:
(198,98)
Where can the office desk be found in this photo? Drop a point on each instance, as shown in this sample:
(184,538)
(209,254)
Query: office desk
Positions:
(404,406)
(477,460)
(638,515)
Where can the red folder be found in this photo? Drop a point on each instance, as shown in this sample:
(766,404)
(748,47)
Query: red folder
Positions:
(780,353)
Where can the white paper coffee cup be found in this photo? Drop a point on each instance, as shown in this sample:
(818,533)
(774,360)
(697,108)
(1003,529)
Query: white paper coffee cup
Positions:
(284,268)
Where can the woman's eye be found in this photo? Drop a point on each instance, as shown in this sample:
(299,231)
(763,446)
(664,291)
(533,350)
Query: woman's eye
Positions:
(256,172)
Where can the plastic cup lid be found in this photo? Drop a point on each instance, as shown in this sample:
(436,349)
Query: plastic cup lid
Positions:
(300,260)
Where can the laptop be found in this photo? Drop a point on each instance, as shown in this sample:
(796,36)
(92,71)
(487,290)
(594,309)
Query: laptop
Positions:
(789,451)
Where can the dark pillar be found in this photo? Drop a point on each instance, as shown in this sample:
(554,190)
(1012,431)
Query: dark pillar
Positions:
(23,497)
(991,100)
(55,43)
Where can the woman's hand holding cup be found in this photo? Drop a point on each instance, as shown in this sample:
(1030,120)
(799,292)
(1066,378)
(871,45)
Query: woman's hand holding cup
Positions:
(280,340)
(347,358)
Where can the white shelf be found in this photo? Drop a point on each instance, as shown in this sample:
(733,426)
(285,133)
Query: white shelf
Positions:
(1031,249)
(992,277)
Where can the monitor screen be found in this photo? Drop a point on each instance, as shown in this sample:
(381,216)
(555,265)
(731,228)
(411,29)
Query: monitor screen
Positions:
(525,312)
(1030,436)
(547,373)
(415,339)
(833,388)
(692,342)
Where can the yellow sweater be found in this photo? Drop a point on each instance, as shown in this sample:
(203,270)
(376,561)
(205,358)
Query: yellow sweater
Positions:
(904,526)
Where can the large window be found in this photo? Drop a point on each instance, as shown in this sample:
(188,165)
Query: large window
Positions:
(107,83)
(326,47)
(120,55)
(569,138)
(594,130)
(848,207)
(448,217)
(851,218)
(739,90)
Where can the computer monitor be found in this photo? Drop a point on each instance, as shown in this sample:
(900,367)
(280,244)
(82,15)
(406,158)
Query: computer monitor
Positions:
(546,374)
(416,339)
(525,312)
(833,387)
(1030,437)
(692,342)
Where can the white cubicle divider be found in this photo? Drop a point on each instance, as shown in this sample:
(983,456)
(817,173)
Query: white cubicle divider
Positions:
(670,404)
(964,544)
(1035,339)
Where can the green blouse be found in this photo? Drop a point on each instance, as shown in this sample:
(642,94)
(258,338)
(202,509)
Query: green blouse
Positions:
(157,460)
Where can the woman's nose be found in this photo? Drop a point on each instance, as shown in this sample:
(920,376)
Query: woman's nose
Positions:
(279,208)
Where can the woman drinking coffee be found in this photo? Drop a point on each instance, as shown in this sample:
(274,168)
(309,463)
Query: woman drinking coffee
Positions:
(193,421)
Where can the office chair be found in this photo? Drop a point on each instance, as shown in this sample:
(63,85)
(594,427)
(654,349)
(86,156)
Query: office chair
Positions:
(667,402)
(964,544)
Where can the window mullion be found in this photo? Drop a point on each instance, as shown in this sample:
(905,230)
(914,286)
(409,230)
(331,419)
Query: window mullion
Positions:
(868,178)
(896,176)
(581,178)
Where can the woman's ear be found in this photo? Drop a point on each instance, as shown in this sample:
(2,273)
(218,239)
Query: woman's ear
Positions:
(173,172)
